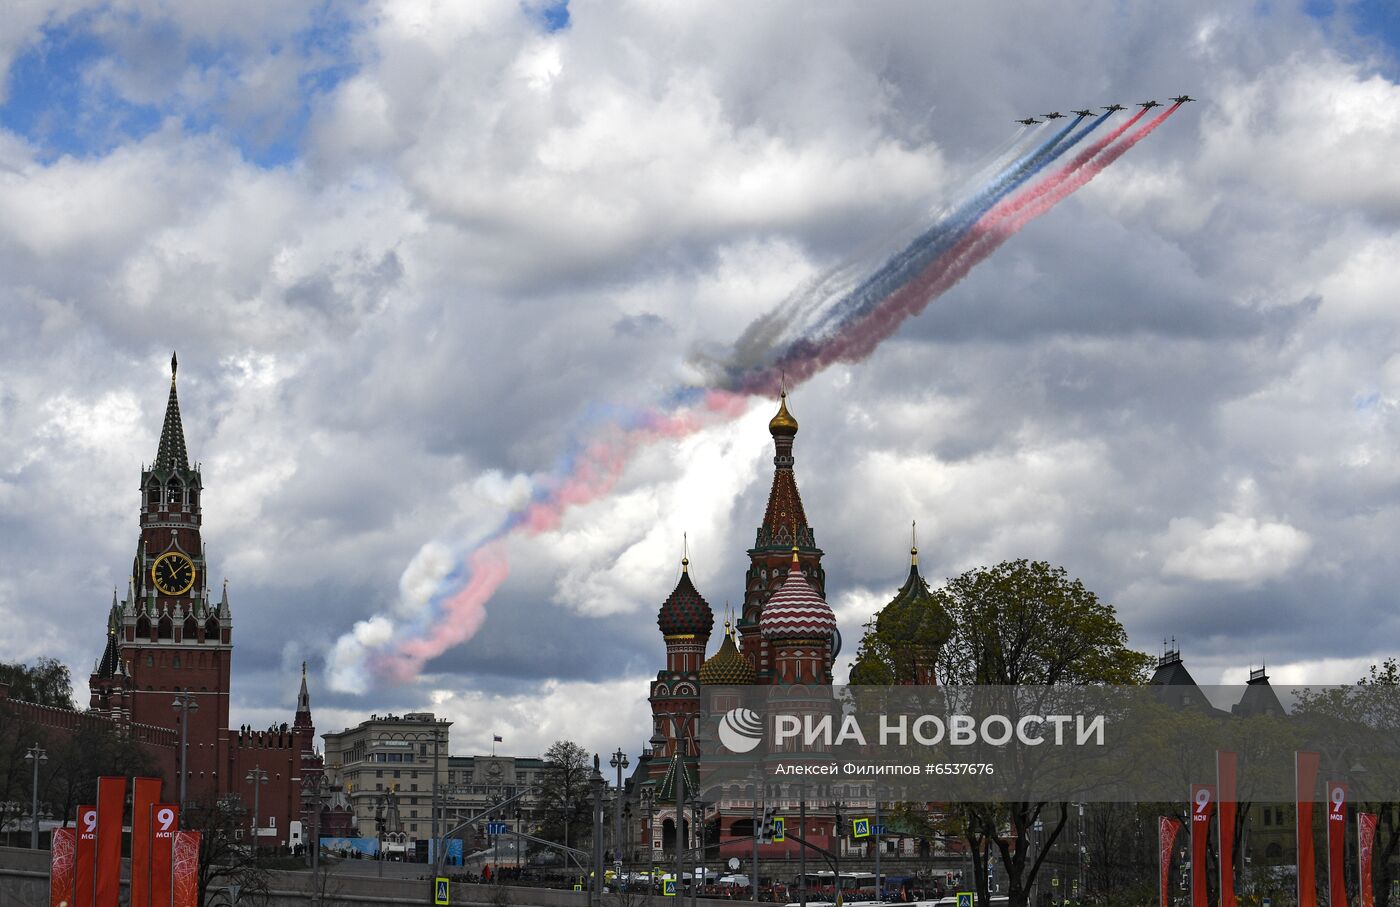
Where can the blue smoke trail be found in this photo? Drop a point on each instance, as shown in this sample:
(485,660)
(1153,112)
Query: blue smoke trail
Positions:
(942,236)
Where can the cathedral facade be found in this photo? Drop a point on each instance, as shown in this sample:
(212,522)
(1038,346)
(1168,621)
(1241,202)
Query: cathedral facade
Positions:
(785,640)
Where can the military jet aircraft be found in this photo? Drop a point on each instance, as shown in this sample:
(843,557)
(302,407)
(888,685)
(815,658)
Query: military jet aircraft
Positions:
(1182,99)
(1028,121)
(1148,105)
(1053,116)
(1111,108)
(1084,113)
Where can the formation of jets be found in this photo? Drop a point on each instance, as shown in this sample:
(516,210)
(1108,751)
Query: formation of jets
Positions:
(1111,108)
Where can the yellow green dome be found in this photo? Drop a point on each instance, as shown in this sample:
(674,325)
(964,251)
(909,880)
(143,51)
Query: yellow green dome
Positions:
(727,667)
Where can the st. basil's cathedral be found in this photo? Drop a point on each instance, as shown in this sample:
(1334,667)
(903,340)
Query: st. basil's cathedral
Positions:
(785,639)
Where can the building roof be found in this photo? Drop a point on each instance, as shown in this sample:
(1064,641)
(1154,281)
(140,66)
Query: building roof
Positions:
(727,666)
(796,610)
(171,454)
(685,610)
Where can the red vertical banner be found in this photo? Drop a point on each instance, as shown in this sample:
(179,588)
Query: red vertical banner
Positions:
(1305,774)
(144,794)
(1202,811)
(184,869)
(111,809)
(1366,850)
(1336,844)
(165,823)
(85,858)
(1167,829)
(1226,764)
(62,851)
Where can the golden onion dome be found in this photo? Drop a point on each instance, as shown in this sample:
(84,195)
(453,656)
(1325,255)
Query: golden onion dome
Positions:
(783,423)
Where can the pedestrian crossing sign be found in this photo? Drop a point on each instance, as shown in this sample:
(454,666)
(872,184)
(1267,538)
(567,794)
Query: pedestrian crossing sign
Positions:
(779,829)
(964,899)
(440,891)
(860,828)
(668,888)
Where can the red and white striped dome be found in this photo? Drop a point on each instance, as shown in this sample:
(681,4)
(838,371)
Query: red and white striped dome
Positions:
(796,610)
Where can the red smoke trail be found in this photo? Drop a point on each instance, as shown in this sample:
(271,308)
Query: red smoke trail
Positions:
(997,226)
(593,475)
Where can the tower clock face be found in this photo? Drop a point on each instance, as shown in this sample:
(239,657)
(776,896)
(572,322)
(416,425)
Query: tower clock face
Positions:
(173,573)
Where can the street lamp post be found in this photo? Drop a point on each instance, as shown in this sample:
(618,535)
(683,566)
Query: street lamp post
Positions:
(36,755)
(379,831)
(258,778)
(597,783)
(315,788)
(649,801)
(184,704)
(619,762)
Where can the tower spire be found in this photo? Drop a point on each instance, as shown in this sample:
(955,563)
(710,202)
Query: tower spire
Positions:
(303,697)
(172,453)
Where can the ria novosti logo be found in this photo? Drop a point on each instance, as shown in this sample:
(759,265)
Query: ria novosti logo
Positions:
(740,730)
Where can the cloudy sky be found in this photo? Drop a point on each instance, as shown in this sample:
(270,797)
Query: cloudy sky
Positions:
(411,253)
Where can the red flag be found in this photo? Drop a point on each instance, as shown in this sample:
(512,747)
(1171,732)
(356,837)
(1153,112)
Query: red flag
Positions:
(85,858)
(1225,765)
(111,808)
(1167,829)
(62,851)
(1305,768)
(144,794)
(184,869)
(1336,843)
(166,823)
(1202,811)
(1366,848)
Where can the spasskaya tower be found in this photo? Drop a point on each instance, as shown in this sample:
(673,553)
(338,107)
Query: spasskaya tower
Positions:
(168,636)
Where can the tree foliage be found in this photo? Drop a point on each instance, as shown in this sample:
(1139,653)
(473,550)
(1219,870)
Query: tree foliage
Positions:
(1017,623)
(564,794)
(48,682)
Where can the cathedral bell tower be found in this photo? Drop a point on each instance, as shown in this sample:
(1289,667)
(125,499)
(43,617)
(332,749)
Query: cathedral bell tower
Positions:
(168,636)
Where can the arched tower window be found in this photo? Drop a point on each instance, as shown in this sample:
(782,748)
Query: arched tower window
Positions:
(191,628)
(193,496)
(211,629)
(153,496)
(143,627)
(174,495)
(166,628)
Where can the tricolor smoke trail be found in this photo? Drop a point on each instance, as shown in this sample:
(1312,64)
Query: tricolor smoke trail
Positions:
(844,326)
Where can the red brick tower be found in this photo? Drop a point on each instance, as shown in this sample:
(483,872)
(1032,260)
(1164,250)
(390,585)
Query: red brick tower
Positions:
(784,531)
(168,637)
(686,621)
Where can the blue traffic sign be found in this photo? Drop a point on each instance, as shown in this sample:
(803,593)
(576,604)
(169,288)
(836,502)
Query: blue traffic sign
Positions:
(860,828)
(668,888)
(440,892)
(779,829)
(497,828)
(878,829)
(964,899)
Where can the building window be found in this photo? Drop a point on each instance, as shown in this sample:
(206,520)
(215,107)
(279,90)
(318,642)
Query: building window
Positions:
(397,772)
(379,773)
(413,787)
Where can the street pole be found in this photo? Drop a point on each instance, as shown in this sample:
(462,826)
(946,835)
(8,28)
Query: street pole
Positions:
(802,850)
(619,762)
(184,704)
(753,870)
(36,755)
(836,851)
(879,846)
(680,823)
(256,777)
(598,784)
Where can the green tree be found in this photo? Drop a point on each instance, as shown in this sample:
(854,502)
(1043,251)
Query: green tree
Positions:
(46,683)
(565,799)
(1366,715)
(1017,623)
